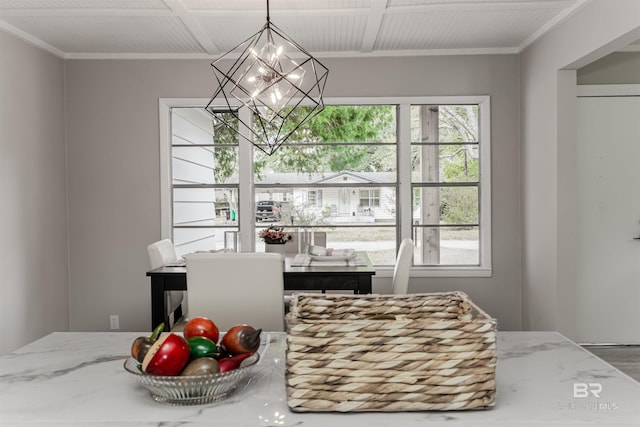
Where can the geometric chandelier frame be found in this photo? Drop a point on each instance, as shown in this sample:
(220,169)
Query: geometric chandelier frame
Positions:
(276,79)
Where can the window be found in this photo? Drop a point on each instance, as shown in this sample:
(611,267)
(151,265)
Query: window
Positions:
(369,198)
(345,151)
(367,174)
(204,181)
(314,198)
(445,181)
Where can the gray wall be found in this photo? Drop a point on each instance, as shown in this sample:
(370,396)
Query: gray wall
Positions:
(33,234)
(616,68)
(548,141)
(113,169)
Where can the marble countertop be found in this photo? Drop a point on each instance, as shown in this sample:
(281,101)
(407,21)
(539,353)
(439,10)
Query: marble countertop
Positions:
(78,379)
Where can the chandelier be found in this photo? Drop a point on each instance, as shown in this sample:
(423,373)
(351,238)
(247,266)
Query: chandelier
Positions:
(276,79)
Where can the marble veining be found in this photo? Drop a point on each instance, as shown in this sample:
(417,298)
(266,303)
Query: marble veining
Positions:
(624,357)
(78,379)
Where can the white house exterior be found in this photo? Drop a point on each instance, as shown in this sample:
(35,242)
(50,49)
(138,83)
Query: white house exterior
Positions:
(339,197)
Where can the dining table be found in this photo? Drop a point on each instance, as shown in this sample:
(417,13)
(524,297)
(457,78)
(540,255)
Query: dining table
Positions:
(78,379)
(300,273)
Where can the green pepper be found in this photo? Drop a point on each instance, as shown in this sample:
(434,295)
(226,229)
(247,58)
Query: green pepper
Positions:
(202,347)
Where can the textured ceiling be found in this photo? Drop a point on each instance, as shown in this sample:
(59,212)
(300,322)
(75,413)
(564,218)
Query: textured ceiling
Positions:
(329,28)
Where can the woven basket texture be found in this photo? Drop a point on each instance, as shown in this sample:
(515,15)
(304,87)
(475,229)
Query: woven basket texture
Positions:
(413,352)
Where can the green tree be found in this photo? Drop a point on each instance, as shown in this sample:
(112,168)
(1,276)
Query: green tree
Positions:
(225,157)
(459,163)
(459,123)
(325,143)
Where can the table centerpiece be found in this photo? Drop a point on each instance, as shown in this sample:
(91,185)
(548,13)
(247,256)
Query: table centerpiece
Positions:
(275,238)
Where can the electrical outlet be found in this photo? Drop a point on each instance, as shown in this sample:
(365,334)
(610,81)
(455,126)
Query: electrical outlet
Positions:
(114,321)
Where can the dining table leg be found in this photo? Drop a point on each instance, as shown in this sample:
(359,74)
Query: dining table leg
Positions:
(158,304)
(364,285)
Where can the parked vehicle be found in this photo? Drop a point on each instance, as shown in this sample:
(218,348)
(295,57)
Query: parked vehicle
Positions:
(268,210)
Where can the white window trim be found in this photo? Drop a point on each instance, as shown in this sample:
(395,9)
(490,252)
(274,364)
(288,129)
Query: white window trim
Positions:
(404,175)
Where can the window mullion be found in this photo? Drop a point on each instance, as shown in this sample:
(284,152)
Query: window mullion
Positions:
(246,196)
(485,179)
(404,171)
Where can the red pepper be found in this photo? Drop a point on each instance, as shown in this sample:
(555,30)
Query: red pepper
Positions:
(233,362)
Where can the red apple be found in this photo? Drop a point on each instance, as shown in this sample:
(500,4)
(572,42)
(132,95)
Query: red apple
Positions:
(167,357)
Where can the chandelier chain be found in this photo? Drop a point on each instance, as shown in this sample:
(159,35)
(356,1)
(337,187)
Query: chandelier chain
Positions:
(268,20)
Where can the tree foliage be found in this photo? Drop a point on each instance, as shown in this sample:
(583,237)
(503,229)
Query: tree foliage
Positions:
(459,163)
(323,144)
(225,158)
(459,123)
(326,142)
(457,159)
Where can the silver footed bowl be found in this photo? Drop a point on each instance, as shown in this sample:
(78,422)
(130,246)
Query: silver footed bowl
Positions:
(191,390)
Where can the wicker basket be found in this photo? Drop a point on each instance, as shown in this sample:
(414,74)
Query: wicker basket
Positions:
(389,353)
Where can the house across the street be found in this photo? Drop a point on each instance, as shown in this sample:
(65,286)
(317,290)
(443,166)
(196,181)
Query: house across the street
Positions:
(334,196)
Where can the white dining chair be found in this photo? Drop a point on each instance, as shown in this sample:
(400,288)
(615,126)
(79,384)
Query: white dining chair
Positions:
(161,253)
(402,269)
(236,288)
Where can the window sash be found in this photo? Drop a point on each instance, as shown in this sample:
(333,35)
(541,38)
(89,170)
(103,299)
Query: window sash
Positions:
(404,192)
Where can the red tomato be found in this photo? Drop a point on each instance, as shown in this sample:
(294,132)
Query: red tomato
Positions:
(168,356)
(201,327)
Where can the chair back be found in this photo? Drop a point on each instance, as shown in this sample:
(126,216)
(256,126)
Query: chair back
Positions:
(319,239)
(161,253)
(236,288)
(402,269)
